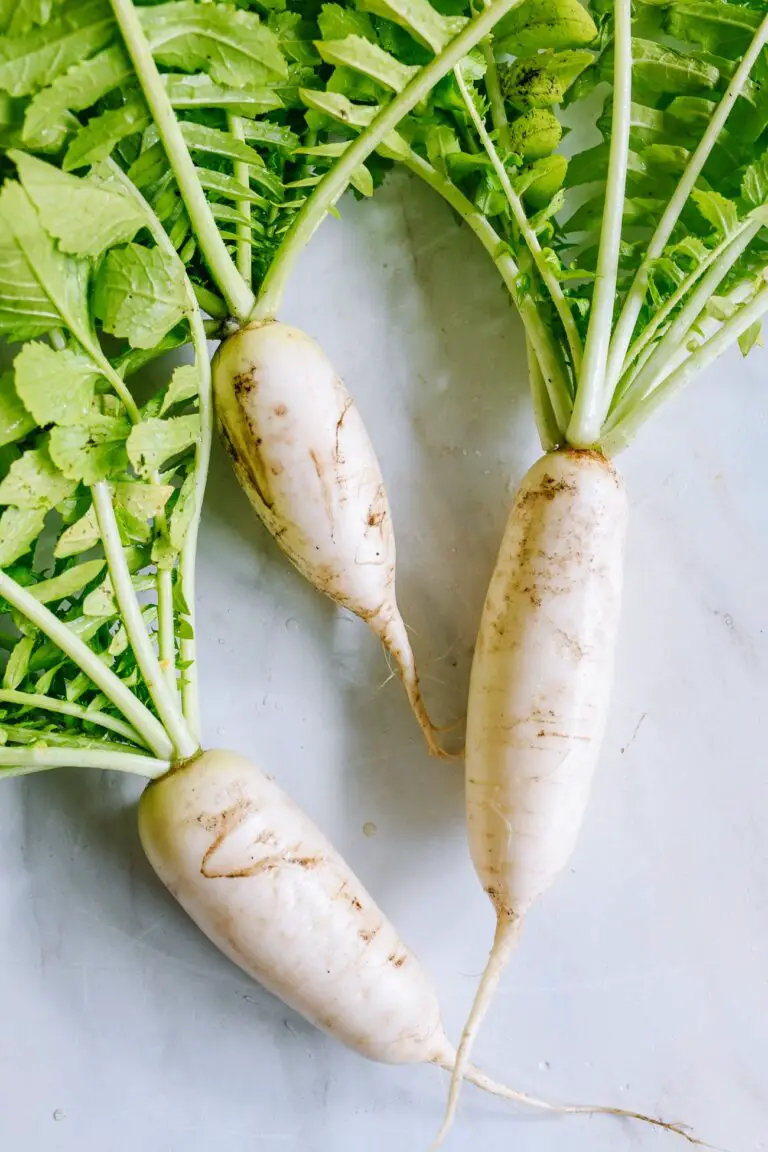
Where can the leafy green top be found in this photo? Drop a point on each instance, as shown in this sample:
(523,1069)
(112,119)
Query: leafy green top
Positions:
(158,161)
(627,218)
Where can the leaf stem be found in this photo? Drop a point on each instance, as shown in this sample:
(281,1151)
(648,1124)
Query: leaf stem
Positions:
(72,646)
(67,708)
(529,236)
(241,173)
(635,298)
(495,95)
(237,294)
(166,626)
(592,396)
(546,424)
(190,694)
(336,180)
(25,761)
(163,696)
(696,363)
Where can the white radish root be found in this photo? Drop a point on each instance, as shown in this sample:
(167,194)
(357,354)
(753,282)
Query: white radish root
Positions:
(303,456)
(270,891)
(539,693)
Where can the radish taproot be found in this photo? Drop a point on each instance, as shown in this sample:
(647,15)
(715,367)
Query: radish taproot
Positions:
(302,454)
(615,325)
(264,884)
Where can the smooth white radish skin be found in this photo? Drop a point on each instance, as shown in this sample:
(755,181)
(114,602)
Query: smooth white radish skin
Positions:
(539,690)
(301,452)
(264,884)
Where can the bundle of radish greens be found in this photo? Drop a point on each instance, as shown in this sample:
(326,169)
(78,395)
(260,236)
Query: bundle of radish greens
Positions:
(163,166)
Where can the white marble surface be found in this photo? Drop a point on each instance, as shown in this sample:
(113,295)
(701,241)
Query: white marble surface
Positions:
(642,980)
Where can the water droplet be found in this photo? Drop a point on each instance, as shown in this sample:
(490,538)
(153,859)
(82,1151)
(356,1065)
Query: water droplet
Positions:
(369,828)
(624,1088)
(59,1114)
(291,624)
(544,1066)
(221,639)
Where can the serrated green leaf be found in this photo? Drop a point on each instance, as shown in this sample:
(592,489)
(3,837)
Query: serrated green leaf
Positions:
(19,530)
(79,537)
(101,135)
(232,45)
(31,61)
(419,18)
(337,22)
(200,91)
(225,185)
(40,287)
(182,515)
(754,183)
(717,210)
(18,661)
(91,453)
(22,18)
(68,584)
(753,337)
(85,215)
(139,294)
(295,36)
(34,482)
(361,55)
(724,29)
(57,387)
(15,420)
(154,441)
(47,122)
(184,384)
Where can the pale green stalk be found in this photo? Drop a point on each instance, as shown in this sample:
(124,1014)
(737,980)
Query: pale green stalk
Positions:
(654,367)
(67,708)
(163,696)
(592,396)
(529,236)
(547,351)
(235,291)
(495,95)
(72,646)
(25,761)
(244,238)
(697,362)
(546,424)
(166,626)
(633,303)
(336,180)
(190,694)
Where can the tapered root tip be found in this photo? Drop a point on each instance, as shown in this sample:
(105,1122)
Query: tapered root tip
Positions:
(507,935)
(476,1076)
(389,626)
